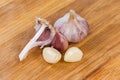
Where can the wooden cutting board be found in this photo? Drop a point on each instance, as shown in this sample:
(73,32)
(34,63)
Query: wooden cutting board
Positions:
(101,60)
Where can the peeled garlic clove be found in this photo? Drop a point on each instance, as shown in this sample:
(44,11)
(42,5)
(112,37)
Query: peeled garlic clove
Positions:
(60,42)
(72,26)
(73,54)
(51,55)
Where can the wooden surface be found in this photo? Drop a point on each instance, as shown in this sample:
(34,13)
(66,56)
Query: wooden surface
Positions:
(101,60)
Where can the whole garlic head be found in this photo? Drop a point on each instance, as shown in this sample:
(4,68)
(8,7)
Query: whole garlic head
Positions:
(73,54)
(72,26)
(51,55)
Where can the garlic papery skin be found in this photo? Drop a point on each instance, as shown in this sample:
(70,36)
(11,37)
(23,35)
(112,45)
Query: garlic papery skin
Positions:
(72,26)
(51,55)
(39,22)
(41,26)
(73,54)
(31,44)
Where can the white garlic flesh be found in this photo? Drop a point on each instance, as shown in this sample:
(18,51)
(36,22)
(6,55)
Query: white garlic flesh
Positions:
(51,55)
(72,26)
(73,54)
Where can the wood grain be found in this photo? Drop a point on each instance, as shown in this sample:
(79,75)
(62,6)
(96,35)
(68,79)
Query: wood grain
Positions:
(101,47)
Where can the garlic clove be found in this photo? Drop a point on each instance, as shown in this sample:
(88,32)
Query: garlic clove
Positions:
(73,54)
(51,55)
(59,42)
(72,26)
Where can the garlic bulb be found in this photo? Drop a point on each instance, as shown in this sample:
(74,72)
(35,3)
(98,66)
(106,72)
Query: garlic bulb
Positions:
(51,55)
(59,42)
(42,27)
(72,26)
(73,54)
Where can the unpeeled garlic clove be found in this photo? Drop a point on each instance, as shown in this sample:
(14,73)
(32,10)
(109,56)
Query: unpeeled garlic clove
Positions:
(73,54)
(72,26)
(59,42)
(51,55)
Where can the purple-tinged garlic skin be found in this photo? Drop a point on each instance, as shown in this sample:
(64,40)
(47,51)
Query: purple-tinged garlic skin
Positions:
(72,26)
(60,42)
(45,35)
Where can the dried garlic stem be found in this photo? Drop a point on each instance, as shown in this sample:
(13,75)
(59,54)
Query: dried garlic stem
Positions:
(72,15)
(31,43)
